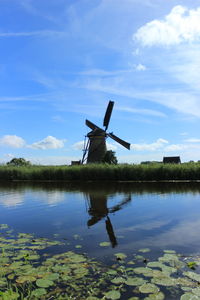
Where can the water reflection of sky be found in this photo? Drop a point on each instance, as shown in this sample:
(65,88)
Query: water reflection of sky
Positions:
(156,220)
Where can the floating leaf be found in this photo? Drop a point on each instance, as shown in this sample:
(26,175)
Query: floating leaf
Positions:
(38,292)
(144,271)
(78,246)
(148,288)
(144,250)
(192,275)
(189,296)
(120,255)
(104,244)
(3,226)
(44,283)
(157,296)
(118,280)
(192,264)
(28,278)
(113,295)
(135,281)
(170,251)
(196,291)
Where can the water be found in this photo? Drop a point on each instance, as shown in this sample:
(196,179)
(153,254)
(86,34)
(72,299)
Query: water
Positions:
(130,216)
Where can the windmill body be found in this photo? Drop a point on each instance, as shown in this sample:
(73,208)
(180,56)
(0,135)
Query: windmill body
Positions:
(95,148)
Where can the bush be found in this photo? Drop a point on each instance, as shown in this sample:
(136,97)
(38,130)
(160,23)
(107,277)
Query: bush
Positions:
(19,162)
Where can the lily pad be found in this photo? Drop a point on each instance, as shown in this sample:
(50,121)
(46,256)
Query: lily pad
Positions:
(144,250)
(148,288)
(118,280)
(189,296)
(192,275)
(44,283)
(135,281)
(120,255)
(156,296)
(39,292)
(104,244)
(113,295)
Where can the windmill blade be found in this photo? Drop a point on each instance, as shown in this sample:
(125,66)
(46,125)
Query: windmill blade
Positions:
(91,125)
(108,114)
(120,141)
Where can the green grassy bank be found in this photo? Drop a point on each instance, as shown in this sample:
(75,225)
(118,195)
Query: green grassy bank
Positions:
(98,172)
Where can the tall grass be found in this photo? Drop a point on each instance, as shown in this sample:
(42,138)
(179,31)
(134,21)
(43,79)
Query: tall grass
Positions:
(103,172)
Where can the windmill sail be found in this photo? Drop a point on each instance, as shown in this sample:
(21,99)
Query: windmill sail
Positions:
(108,114)
(120,141)
(91,125)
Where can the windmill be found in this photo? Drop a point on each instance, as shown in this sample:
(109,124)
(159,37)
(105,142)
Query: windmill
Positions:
(95,143)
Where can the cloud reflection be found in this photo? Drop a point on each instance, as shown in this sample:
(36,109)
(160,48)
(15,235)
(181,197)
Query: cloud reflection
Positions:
(12,199)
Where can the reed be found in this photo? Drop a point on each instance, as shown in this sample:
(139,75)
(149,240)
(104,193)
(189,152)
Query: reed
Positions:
(103,172)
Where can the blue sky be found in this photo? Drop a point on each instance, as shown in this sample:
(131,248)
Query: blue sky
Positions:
(62,61)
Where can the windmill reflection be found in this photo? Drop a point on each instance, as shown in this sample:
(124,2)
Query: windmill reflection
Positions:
(98,209)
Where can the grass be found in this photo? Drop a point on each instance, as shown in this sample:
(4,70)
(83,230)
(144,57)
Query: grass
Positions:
(103,172)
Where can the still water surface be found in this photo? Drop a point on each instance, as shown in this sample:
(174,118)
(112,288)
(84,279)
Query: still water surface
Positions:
(131,216)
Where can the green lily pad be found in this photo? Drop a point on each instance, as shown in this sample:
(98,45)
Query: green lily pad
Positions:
(189,296)
(196,291)
(44,283)
(120,255)
(118,280)
(104,244)
(144,250)
(144,271)
(135,281)
(39,292)
(192,275)
(157,296)
(148,288)
(113,295)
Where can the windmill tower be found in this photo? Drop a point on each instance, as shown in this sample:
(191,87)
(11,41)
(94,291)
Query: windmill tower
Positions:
(95,146)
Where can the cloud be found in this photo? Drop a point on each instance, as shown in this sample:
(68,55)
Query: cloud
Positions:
(140,67)
(174,147)
(49,142)
(193,140)
(181,25)
(157,145)
(78,145)
(111,146)
(33,33)
(141,111)
(12,141)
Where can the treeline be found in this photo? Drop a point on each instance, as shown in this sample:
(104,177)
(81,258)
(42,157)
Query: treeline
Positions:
(102,172)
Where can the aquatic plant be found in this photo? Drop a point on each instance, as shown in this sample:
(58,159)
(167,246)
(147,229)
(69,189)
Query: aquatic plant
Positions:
(29,271)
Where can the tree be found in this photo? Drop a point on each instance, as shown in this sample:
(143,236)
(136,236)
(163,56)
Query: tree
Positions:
(110,157)
(18,162)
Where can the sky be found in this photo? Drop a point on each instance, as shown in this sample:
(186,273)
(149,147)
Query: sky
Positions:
(61,61)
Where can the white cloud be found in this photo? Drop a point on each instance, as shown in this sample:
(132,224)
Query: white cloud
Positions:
(142,111)
(78,145)
(12,141)
(157,145)
(33,33)
(179,26)
(111,146)
(174,147)
(140,67)
(193,140)
(49,142)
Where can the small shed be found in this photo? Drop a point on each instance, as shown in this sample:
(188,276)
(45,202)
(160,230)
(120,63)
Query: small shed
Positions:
(171,160)
(75,162)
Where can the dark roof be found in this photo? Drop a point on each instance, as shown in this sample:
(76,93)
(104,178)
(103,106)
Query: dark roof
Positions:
(171,159)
